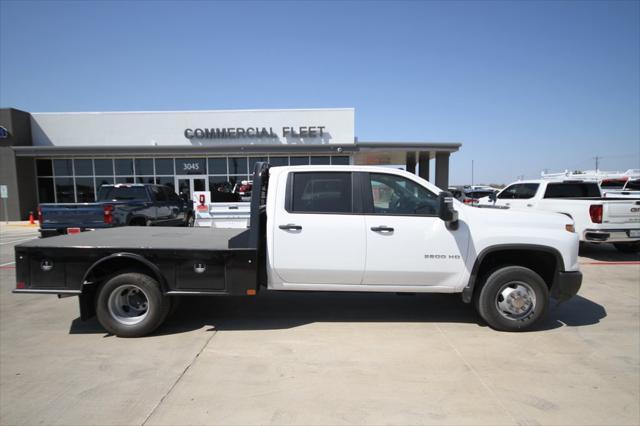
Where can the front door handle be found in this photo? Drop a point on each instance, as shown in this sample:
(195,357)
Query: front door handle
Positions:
(529,205)
(382,228)
(290,227)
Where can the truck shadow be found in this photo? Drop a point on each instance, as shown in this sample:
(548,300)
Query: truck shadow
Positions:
(605,253)
(284,310)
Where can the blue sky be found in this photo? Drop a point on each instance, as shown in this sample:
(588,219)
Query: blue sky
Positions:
(523,86)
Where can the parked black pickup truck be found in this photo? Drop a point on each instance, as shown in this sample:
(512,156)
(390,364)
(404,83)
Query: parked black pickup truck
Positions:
(118,205)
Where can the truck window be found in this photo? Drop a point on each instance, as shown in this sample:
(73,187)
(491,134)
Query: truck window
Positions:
(122,193)
(159,194)
(633,185)
(572,190)
(612,183)
(396,195)
(321,192)
(519,191)
(170,194)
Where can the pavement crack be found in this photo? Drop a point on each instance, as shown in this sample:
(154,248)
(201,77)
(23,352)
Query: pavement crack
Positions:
(206,343)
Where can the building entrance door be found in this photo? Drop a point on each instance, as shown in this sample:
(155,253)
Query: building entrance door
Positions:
(189,184)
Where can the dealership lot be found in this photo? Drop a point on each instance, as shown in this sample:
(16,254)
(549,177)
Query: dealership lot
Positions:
(293,358)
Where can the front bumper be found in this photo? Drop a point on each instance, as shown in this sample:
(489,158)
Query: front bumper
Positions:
(610,235)
(566,285)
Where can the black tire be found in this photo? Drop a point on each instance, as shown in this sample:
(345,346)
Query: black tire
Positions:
(628,247)
(126,312)
(190,221)
(515,280)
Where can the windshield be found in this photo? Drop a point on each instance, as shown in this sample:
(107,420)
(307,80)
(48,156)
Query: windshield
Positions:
(633,185)
(612,183)
(478,194)
(122,193)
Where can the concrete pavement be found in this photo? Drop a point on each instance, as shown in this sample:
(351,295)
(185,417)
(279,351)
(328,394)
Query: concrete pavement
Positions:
(296,358)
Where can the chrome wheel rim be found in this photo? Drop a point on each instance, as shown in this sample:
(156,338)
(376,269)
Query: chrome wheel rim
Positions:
(128,304)
(516,301)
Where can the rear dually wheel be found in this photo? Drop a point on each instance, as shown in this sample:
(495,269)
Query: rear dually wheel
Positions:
(131,304)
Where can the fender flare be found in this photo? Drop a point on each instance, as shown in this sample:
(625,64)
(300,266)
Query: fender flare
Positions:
(132,256)
(467,292)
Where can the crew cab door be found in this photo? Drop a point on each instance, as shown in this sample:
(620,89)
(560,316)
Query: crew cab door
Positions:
(318,235)
(407,243)
(518,195)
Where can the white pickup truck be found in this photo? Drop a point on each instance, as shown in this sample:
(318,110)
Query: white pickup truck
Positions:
(630,189)
(318,228)
(596,219)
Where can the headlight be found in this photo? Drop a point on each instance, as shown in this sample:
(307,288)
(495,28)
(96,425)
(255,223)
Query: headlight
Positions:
(570,228)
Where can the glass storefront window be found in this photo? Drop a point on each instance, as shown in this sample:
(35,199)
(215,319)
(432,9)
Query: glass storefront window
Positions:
(63,167)
(222,190)
(320,160)
(166,180)
(124,166)
(44,168)
(238,166)
(83,167)
(299,161)
(279,161)
(144,166)
(46,193)
(237,179)
(84,190)
(253,161)
(64,190)
(104,167)
(191,166)
(164,166)
(56,176)
(103,180)
(218,166)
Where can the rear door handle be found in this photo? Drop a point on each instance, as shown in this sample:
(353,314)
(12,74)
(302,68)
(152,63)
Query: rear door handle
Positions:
(382,228)
(529,205)
(290,227)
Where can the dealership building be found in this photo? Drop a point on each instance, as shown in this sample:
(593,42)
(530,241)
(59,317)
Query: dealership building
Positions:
(66,157)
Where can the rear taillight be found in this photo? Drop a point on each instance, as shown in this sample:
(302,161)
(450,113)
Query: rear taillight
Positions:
(595,211)
(470,201)
(107,216)
(39,215)
(21,284)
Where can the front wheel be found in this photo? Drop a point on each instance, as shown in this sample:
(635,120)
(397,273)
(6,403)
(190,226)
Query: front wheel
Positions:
(512,298)
(131,305)
(190,222)
(628,247)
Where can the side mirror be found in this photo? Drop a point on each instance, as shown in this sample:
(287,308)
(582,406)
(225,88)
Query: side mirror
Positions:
(184,196)
(446,211)
(493,197)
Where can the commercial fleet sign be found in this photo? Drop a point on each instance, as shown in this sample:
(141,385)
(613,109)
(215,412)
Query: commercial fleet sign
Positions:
(194,128)
(255,132)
